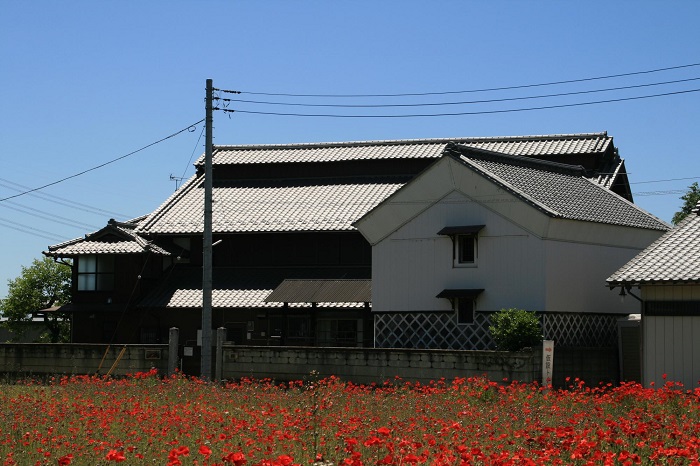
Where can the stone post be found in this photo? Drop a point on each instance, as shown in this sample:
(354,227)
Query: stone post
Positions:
(173,349)
(220,338)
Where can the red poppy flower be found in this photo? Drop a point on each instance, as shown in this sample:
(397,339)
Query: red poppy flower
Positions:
(115,455)
(236,458)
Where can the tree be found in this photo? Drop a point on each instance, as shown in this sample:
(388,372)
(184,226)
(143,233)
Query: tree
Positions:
(515,329)
(691,199)
(44,284)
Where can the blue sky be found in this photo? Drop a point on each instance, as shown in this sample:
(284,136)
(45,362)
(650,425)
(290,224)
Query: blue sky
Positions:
(84,82)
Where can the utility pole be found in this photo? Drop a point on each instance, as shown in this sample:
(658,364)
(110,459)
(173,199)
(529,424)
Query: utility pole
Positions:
(207,282)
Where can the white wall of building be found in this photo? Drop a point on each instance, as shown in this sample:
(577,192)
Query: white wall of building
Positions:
(414,264)
(576,273)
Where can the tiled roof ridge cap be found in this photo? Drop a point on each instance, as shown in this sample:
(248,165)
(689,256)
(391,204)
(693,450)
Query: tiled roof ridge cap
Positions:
(318,180)
(529,162)
(313,145)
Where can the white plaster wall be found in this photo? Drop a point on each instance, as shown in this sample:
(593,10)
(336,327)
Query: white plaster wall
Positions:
(412,265)
(576,274)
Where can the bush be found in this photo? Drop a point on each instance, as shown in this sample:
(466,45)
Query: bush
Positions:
(515,329)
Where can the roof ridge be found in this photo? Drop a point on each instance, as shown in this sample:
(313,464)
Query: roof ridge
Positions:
(314,145)
(493,156)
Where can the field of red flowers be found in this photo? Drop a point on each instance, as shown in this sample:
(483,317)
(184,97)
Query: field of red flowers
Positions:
(146,419)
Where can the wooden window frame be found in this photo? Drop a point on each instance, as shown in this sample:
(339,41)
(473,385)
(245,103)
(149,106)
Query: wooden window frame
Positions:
(96,272)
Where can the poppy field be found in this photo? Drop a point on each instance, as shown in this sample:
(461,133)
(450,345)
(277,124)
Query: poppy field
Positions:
(147,419)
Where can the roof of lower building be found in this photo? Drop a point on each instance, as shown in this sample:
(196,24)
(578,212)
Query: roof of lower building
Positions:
(673,258)
(114,238)
(322,291)
(242,288)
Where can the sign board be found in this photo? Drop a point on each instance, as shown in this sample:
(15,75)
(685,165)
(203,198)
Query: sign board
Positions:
(547,362)
(188,351)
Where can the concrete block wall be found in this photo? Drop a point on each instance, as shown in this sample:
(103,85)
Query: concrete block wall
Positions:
(35,359)
(367,365)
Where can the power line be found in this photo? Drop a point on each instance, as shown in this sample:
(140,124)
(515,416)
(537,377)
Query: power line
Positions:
(466,102)
(103,164)
(46,215)
(60,200)
(193,152)
(521,86)
(29,230)
(483,112)
(661,193)
(670,179)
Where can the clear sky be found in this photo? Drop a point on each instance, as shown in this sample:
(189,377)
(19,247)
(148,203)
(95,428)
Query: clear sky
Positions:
(83,83)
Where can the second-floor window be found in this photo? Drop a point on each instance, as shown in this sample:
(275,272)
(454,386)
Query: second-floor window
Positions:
(465,250)
(96,273)
(465,242)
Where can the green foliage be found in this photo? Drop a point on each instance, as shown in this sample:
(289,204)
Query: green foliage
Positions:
(691,199)
(44,284)
(515,329)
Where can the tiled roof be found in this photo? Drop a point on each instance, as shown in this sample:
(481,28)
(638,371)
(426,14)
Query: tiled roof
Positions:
(330,204)
(531,146)
(115,238)
(673,258)
(99,247)
(272,205)
(236,288)
(558,189)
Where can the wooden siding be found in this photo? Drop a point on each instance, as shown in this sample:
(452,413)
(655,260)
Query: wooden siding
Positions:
(671,343)
(672,347)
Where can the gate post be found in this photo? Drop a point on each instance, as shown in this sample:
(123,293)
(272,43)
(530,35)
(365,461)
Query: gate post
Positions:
(220,338)
(173,349)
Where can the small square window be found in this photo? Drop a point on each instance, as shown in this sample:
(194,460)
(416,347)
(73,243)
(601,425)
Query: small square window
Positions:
(465,250)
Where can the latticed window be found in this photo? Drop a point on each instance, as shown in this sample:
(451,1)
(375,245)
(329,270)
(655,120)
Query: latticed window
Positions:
(95,273)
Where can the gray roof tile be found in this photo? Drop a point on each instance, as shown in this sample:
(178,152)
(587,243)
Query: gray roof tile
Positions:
(673,258)
(558,189)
